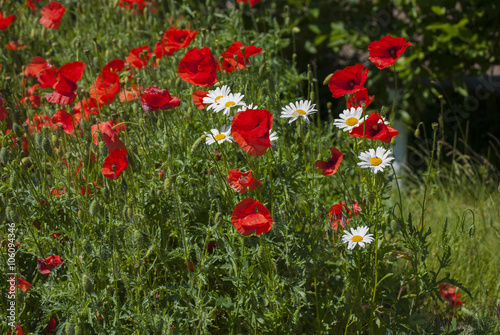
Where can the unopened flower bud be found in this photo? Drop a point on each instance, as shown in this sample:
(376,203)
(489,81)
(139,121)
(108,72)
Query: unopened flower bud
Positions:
(327,79)
(13,181)
(139,238)
(434,125)
(18,131)
(4,155)
(417,133)
(47,147)
(103,149)
(94,208)
(197,144)
(88,285)
(38,139)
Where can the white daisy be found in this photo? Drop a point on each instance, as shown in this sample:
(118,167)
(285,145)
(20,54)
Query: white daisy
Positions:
(302,108)
(214,96)
(219,136)
(226,103)
(357,236)
(349,119)
(273,136)
(375,159)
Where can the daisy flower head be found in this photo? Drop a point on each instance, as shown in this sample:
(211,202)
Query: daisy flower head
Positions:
(349,119)
(357,236)
(225,104)
(214,96)
(273,136)
(295,110)
(219,136)
(375,159)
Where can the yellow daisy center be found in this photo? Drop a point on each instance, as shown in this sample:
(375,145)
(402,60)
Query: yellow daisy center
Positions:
(357,238)
(230,103)
(352,121)
(301,112)
(375,161)
(217,99)
(219,137)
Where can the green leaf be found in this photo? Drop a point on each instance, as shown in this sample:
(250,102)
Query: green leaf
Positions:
(438,10)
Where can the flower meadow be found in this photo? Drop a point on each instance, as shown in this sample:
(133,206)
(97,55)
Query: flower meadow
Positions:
(169,170)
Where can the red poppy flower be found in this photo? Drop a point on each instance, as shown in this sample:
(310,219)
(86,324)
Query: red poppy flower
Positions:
(51,326)
(339,213)
(251,2)
(250,129)
(44,265)
(374,128)
(154,98)
(349,80)
(133,94)
(88,106)
(330,166)
(229,63)
(198,99)
(115,164)
(51,15)
(241,182)
(35,100)
(15,45)
(109,136)
(18,329)
(448,292)
(31,4)
(359,99)
(116,66)
(175,39)
(105,87)
(251,216)
(37,65)
(39,121)
(139,57)
(385,52)
(5,21)
(63,119)
(3,111)
(23,285)
(65,84)
(33,89)
(198,67)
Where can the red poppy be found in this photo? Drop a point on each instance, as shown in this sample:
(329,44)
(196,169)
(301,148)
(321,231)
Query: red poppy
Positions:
(88,106)
(51,326)
(448,292)
(198,99)
(374,128)
(18,329)
(39,121)
(44,265)
(139,57)
(359,99)
(339,213)
(250,129)
(133,94)
(23,285)
(251,2)
(198,67)
(65,84)
(15,45)
(5,21)
(116,66)
(331,165)
(3,111)
(349,80)
(105,87)
(51,15)
(385,52)
(35,100)
(115,164)
(109,136)
(33,89)
(31,4)
(241,182)
(175,39)
(159,51)
(229,63)
(251,216)
(37,65)
(63,119)
(154,98)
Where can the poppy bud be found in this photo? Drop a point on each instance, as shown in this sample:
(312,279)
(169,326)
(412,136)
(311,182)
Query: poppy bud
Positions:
(4,155)
(327,79)
(94,208)
(26,162)
(47,147)
(417,133)
(55,139)
(103,149)
(311,95)
(38,139)
(196,144)
(296,30)
(13,181)
(262,69)
(88,285)
(139,238)
(167,185)
(393,141)
(18,131)
(78,330)
(435,126)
